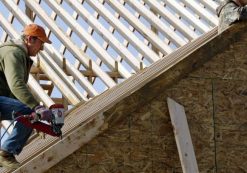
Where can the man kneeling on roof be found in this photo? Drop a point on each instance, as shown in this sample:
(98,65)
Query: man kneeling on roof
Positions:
(230,12)
(15,65)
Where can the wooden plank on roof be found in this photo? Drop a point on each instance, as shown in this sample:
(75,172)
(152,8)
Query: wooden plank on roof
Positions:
(60,72)
(10,19)
(202,12)
(195,22)
(146,32)
(155,21)
(107,35)
(63,87)
(123,30)
(88,39)
(182,136)
(172,19)
(46,60)
(80,78)
(210,5)
(39,92)
(35,70)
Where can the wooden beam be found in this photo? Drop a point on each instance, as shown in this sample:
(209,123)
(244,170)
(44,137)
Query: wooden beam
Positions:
(46,60)
(202,12)
(47,86)
(43,77)
(159,24)
(39,92)
(58,100)
(122,29)
(29,13)
(89,73)
(70,69)
(107,35)
(182,136)
(146,32)
(87,38)
(35,70)
(198,24)
(211,5)
(63,87)
(172,19)
(10,19)
(61,61)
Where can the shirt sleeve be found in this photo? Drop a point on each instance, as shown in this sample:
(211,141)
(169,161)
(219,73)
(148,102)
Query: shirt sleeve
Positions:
(15,75)
(243,12)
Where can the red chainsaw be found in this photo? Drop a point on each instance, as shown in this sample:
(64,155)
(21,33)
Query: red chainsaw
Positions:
(54,128)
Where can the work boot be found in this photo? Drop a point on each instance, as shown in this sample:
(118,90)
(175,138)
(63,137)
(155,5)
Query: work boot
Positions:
(8,160)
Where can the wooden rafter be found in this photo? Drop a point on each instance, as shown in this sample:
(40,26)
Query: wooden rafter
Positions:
(150,55)
(135,64)
(183,137)
(100,52)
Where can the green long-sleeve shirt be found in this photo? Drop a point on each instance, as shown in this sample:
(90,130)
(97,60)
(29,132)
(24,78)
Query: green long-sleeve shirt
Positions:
(15,65)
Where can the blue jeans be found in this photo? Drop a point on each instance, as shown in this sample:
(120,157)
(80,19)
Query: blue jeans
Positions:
(20,134)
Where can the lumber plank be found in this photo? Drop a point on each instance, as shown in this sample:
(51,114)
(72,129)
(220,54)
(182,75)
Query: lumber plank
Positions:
(182,136)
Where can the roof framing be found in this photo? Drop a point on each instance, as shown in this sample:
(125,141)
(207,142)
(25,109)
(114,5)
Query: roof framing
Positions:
(135,35)
(33,152)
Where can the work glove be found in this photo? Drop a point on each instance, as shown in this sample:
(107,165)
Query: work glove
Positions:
(41,113)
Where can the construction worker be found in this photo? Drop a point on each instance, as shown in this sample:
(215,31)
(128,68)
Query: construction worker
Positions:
(15,64)
(231,11)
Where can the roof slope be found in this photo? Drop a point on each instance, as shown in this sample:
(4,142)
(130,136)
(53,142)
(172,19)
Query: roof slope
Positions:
(142,86)
(140,135)
(98,46)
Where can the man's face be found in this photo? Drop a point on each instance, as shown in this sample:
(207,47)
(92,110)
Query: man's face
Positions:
(34,45)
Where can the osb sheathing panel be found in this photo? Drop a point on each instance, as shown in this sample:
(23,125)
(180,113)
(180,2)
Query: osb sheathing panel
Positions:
(141,139)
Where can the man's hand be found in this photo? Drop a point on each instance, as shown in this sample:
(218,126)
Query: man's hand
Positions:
(42,113)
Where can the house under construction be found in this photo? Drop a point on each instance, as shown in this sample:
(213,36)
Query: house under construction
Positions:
(149,86)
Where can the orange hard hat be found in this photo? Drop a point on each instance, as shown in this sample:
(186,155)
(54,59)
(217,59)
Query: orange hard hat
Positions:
(36,31)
